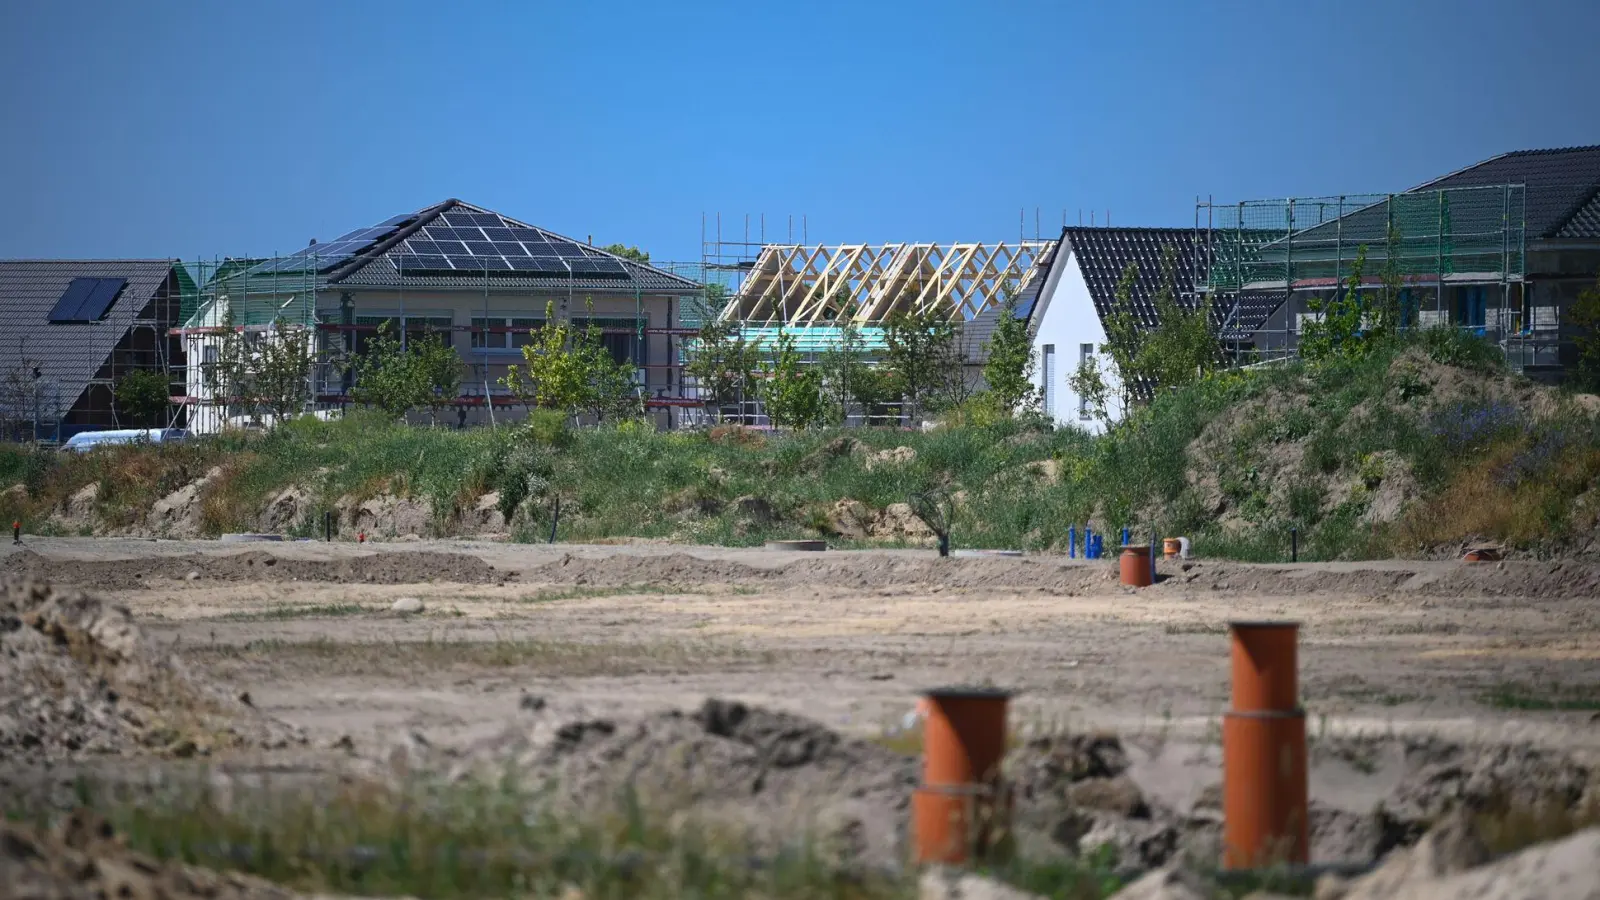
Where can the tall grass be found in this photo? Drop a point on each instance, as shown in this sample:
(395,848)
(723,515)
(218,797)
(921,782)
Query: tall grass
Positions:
(1294,446)
(427,839)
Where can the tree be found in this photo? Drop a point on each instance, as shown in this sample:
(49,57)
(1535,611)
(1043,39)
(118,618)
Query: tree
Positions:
(281,380)
(551,375)
(792,391)
(627,252)
(1125,340)
(920,350)
(1181,348)
(1088,381)
(144,395)
(613,392)
(1585,320)
(439,372)
(387,376)
(1335,326)
(28,400)
(1010,361)
(844,364)
(569,369)
(722,363)
(228,377)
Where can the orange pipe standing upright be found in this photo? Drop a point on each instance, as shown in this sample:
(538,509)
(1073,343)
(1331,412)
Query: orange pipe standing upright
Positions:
(1264,790)
(962,806)
(1135,564)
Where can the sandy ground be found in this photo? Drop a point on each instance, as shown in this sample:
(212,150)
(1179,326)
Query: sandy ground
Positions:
(846,638)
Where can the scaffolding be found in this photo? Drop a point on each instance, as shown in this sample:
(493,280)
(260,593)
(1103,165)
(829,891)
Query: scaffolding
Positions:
(1458,255)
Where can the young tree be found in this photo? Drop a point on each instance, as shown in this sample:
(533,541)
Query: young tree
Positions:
(920,350)
(792,391)
(1181,348)
(551,374)
(613,393)
(1585,320)
(387,376)
(1125,341)
(1338,327)
(440,372)
(281,371)
(1088,381)
(722,363)
(143,395)
(1010,362)
(843,366)
(229,377)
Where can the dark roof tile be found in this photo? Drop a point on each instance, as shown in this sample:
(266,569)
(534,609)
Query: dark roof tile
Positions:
(69,354)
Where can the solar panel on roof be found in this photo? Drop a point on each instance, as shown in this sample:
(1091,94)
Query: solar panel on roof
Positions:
(100,299)
(441,232)
(498,234)
(458,218)
(398,220)
(482,248)
(489,219)
(66,309)
(509,248)
(415,263)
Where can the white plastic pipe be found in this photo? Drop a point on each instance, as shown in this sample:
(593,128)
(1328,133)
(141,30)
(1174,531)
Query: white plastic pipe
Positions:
(1183,548)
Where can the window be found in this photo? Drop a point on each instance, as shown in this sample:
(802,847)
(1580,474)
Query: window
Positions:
(1084,352)
(1471,306)
(515,333)
(623,337)
(1049,379)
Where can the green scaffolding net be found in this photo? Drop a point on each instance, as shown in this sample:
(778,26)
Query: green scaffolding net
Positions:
(1457,234)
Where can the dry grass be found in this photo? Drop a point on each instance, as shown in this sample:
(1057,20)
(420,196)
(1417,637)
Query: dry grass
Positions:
(324,656)
(1483,501)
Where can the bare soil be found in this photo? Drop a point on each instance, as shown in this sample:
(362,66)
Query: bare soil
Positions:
(792,675)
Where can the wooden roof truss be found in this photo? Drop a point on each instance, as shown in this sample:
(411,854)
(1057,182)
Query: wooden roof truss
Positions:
(795,285)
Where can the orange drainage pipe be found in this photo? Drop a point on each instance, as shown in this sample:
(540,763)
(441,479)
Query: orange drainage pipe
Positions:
(962,808)
(1135,563)
(1264,790)
(1170,547)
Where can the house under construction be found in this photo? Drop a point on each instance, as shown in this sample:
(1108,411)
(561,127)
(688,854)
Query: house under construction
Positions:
(1500,248)
(478,280)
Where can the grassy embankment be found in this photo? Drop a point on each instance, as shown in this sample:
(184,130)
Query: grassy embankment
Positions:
(1410,450)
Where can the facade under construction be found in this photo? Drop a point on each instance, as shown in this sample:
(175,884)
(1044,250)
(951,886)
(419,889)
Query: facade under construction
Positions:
(477,280)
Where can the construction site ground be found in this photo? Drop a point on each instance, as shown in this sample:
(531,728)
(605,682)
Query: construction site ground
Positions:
(1500,652)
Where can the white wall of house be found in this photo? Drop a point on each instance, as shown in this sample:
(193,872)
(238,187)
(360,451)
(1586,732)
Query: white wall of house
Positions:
(1066,328)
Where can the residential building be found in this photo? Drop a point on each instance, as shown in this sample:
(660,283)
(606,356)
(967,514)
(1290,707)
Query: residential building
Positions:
(479,280)
(70,330)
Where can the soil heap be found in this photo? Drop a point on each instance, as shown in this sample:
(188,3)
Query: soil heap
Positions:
(78,678)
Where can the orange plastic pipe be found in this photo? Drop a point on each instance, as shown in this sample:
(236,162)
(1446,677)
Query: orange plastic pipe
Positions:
(961,800)
(1264,780)
(1135,564)
(1265,666)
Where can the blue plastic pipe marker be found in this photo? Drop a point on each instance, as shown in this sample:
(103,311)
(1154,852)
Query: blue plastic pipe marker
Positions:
(1126,535)
(1072,542)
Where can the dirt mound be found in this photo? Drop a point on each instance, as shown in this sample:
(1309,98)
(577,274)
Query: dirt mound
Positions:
(83,860)
(257,565)
(670,570)
(1443,777)
(77,678)
(772,776)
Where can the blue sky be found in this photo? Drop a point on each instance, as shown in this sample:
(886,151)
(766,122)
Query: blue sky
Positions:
(188,129)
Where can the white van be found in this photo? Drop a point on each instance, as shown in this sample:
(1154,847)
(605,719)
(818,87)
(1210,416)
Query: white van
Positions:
(84,441)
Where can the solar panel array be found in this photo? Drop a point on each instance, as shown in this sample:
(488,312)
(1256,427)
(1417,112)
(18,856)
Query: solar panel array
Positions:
(474,242)
(87,299)
(324,256)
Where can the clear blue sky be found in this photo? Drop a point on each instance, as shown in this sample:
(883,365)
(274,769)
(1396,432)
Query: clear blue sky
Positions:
(183,129)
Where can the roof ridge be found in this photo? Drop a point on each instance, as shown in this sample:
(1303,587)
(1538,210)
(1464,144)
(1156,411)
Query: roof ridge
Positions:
(1542,151)
(66,260)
